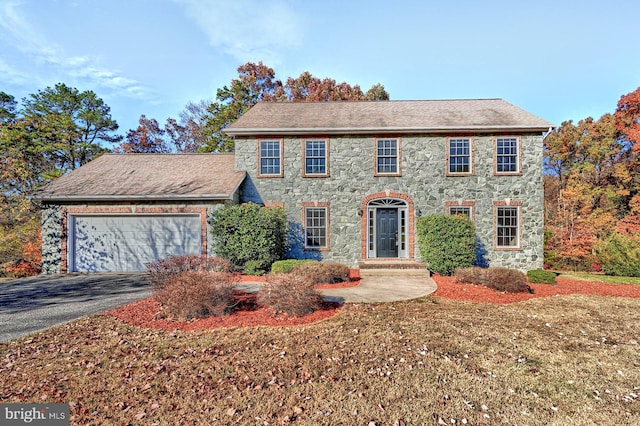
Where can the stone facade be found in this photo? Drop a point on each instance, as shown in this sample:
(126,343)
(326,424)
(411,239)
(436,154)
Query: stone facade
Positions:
(424,183)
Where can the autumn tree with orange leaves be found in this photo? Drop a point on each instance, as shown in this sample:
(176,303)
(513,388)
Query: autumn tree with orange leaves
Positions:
(592,185)
(147,138)
(258,82)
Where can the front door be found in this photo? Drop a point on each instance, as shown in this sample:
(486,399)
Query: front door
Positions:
(386,232)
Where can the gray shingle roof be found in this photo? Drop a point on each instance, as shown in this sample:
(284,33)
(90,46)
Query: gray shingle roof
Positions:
(437,116)
(116,177)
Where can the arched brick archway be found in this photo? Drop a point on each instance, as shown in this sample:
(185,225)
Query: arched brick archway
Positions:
(366,218)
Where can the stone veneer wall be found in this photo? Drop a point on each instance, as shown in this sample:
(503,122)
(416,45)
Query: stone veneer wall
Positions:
(54,220)
(424,180)
(52,235)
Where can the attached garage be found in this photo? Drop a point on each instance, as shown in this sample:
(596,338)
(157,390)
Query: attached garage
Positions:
(119,212)
(126,243)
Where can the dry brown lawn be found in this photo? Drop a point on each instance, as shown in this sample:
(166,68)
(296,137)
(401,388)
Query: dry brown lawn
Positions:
(565,360)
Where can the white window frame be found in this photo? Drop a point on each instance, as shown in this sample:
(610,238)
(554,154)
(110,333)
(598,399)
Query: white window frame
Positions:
(322,228)
(501,217)
(468,156)
(278,157)
(515,155)
(308,157)
(397,154)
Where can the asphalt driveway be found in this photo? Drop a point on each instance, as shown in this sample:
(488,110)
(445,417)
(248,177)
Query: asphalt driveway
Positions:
(37,303)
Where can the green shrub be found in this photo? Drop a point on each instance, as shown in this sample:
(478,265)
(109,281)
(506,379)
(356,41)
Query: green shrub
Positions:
(292,294)
(507,280)
(620,255)
(541,276)
(164,269)
(254,267)
(195,294)
(446,242)
(322,273)
(285,266)
(250,233)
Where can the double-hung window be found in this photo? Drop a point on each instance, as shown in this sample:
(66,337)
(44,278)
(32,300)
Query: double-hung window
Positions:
(507,155)
(508,227)
(459,155)
(387,157)
(316,220)
(315,157)
(270,158)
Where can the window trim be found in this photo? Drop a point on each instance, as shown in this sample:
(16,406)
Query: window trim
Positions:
(326,158)
(471,156)
(497,205)
(259,156)
(398,171)
(316,205)
(518,171)
(470,204)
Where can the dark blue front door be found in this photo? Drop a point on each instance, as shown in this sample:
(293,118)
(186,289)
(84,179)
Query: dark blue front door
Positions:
(386,232)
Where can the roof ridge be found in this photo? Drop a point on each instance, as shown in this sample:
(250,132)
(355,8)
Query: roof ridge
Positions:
(346,101)
(165,153)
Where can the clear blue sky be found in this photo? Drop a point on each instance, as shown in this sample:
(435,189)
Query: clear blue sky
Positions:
(558,59)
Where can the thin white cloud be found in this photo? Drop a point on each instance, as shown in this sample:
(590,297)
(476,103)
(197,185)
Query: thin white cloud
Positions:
(11,75)
(40,59)
(248,30)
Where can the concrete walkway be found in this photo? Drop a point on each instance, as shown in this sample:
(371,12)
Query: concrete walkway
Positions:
(385,285)
(377,285)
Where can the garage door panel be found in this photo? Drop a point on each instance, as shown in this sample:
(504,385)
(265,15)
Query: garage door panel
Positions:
(128,243)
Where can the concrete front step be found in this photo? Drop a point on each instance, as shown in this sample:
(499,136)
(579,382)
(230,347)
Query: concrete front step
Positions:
(391,264)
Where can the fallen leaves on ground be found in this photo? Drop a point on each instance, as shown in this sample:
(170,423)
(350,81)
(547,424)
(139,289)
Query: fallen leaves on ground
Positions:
(144,313)
(248,313)
(450,289)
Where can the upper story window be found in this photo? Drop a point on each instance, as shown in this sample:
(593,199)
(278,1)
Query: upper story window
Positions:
(507,155)
(459,156)
(507,227)
(316,157)
(387,157)
(270,158)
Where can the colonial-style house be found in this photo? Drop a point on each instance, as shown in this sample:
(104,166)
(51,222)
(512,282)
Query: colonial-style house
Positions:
(353,178)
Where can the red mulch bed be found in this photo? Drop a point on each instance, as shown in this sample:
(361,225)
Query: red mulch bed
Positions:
(447,287)
(247,314)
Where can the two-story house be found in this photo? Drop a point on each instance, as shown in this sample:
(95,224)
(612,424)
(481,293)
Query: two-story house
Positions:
(353,178)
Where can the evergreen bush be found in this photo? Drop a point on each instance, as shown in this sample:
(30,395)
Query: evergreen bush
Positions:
(285,266)
(446,242)
(541,276)
(250,233)
(620,255)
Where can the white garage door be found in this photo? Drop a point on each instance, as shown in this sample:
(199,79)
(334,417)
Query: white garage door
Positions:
(126,243)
